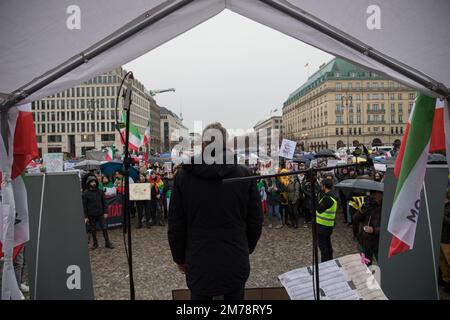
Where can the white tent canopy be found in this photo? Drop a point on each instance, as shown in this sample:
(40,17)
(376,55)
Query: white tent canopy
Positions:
(410,42)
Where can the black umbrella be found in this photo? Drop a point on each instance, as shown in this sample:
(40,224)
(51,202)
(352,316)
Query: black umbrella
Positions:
(327,153)
(437,158)
(360,184)
(87,165)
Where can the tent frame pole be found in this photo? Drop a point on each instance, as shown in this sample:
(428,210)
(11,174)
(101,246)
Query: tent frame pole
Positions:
(102,46)
(302,16)
(4,129)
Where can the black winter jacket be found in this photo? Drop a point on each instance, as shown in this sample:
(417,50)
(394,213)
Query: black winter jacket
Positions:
(94,203)
(213,227)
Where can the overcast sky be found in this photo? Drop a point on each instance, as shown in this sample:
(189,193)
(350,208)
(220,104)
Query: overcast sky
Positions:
(228,69)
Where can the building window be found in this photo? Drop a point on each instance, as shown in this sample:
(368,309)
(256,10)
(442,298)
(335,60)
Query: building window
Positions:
(108,137)
(338,86)
(400,96)
(53,139)
(412,96)
(410,106)
(87,138)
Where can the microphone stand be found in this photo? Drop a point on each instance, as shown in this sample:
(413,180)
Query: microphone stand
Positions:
(126,204)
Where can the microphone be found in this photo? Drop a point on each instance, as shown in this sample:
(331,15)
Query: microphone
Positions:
(127,94)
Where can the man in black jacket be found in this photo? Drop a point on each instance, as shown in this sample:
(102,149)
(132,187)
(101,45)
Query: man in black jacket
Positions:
(214,227)
(95,211)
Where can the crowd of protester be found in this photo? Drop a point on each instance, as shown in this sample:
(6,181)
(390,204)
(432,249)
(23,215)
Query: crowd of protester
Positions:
(287,202)
(96,187)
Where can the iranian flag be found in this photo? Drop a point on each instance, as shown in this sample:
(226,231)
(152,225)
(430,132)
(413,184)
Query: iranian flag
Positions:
(135,136)
(109,156)
(147,134)
(425,132)
(21,149)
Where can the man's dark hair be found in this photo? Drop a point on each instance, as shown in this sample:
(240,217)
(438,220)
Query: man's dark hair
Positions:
(327,184)
(216,126)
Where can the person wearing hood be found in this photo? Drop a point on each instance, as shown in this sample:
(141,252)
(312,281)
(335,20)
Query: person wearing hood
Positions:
(95,211)
(155,207)
(214,227)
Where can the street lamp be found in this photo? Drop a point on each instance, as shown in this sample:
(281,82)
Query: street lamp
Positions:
(305,137)
(92,105)
(347,101)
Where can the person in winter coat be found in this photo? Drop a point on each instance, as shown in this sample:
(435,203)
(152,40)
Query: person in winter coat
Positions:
(274,189)
(155,206)
(284,210)
(444,262)
(168,186)
(293,191)
(261,186)
(95,211)
(369,219)
(214,227)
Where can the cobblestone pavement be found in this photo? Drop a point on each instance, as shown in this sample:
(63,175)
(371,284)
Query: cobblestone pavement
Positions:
(155,275)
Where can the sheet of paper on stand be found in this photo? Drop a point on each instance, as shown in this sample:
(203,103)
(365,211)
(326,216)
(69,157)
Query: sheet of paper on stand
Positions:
(344,278)
(362,278)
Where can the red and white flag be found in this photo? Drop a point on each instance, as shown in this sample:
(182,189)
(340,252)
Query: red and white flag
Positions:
(14,228)
(427,131)
(147,134)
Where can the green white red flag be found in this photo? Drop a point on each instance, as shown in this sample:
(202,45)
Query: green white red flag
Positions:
(109,156)
(147,134)
(21,149)
(428,125)
(135,140)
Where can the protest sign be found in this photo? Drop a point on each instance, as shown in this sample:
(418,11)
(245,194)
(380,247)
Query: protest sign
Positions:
(287,148)
(114,204)
(140,191)
(53,162)
(168,167)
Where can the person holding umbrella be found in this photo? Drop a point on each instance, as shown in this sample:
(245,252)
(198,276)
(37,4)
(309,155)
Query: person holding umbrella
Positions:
(369,219)
(325,219)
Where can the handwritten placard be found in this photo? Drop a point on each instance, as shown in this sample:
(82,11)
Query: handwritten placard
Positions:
(140,191)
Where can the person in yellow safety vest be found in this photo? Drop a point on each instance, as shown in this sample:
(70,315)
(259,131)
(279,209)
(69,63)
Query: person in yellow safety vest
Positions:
(284,181)
(357,202)
(325,219)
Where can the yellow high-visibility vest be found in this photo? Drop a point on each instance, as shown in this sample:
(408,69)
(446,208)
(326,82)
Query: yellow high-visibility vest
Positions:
(357,202)
(327,217)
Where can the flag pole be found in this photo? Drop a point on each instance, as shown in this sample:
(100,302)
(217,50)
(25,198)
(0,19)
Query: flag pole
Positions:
(4,128)
(431,239)
(127,165)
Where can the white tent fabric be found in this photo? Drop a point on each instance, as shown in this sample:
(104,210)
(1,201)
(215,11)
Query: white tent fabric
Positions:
(34,39)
